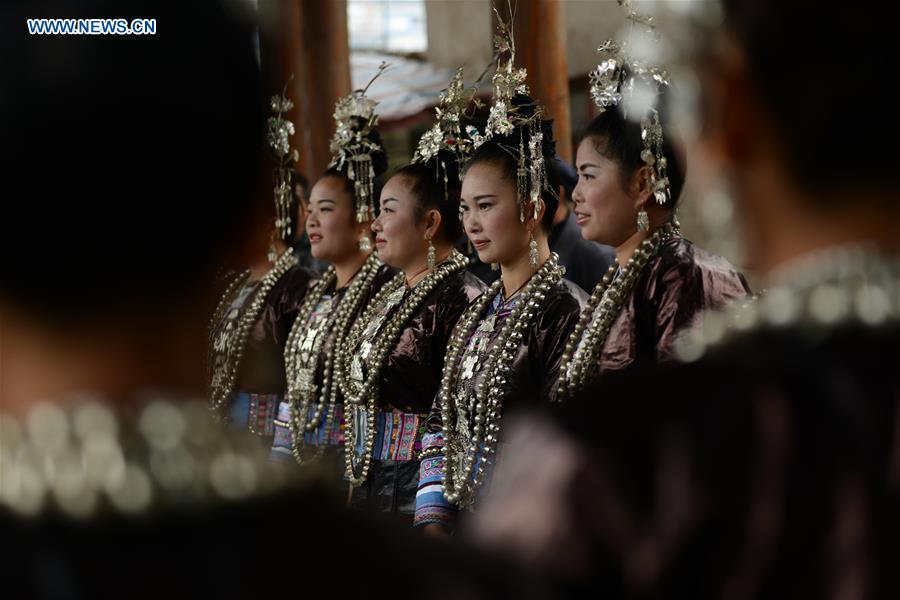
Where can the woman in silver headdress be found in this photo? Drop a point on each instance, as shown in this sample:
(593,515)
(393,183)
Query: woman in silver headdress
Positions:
(505,351)
(630,177)
(249,328)
(390,364)
(310,420)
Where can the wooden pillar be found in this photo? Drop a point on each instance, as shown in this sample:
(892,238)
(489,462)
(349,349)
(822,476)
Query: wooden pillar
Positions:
(539,30)
(309,40)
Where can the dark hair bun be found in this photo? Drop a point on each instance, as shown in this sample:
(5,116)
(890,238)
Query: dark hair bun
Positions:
(431,191)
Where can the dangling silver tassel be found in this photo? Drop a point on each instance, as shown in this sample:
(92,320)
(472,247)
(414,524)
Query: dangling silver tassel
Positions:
(643,220)
(365,243)
(521,178)
(446,191)
(363,177)
(282,205)
(538,175)
(432,255)
(533,256)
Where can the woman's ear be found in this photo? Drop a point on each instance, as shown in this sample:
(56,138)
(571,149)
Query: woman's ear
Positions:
(432,223)
(639,186)
(533,224)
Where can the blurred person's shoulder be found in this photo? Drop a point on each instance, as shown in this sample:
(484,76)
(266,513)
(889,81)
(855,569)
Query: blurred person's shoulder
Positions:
(800,365)
(97,502)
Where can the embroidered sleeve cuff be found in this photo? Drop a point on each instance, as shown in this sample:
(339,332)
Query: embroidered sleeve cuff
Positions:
(431,506)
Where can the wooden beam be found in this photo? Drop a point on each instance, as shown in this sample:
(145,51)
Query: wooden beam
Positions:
(540,36)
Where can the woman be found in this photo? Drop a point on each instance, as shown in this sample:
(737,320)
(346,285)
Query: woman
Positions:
(390,367)
(626,196)
(506,349)
(310,413)
(250,325)
(310,419)
(300,192)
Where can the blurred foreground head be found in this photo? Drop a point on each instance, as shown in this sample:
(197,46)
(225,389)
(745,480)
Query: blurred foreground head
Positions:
(130,161)
(799,105)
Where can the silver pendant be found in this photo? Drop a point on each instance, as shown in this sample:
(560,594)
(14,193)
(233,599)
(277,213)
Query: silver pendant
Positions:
(372,327)
(359,430)
(462,430)
(364,349)
(487,326)
(305,381)
(395,297)
(221,342)
(216,379)
(469,366)
(309,342)
(356,373)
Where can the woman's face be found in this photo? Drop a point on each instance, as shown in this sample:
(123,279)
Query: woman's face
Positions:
(604,210)
(399,237)
(331,225)
(491,215)
(302,211)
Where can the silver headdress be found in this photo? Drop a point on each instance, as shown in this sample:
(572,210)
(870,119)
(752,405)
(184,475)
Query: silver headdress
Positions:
(351,147)
(614,80)
(446,134)
(506,118)
(278,135)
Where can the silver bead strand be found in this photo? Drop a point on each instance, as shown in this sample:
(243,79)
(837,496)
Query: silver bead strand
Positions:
(385,339)
(219,395)
(603,308)
(299,399)
(462,481)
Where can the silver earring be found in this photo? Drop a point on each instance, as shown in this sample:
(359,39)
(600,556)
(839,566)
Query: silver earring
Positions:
(533,255)
(272,254)
(643,220)
(432,258)
(365,243)
(495,266)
